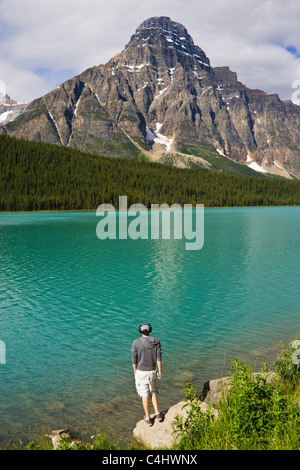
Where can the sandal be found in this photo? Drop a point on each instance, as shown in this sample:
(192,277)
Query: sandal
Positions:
(148,421)
(160,417)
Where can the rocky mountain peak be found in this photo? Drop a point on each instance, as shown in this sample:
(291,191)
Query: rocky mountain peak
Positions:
(163,42)
(5,99)
(161,97)
(166,28)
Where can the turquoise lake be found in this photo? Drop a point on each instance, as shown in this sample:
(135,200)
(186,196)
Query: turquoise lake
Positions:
(71,304)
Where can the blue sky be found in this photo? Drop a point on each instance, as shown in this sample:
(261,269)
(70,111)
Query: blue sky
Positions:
(292,50)
(45,42)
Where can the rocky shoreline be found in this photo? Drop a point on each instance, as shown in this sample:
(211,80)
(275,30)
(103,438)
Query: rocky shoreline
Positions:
(161,435)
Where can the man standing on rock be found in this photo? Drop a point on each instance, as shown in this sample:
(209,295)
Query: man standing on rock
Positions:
(146,356)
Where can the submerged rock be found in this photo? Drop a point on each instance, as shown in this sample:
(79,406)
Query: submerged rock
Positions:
(58,435)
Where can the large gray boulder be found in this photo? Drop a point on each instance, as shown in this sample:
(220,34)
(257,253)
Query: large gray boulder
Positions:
(161,435)
(214,390)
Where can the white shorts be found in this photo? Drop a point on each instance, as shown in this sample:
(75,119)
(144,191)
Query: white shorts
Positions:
(145,382)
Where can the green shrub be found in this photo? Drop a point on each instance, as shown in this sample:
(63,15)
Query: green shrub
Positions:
(286,364)
(253,414)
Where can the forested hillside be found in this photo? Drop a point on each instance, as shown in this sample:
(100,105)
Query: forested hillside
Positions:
(36,176)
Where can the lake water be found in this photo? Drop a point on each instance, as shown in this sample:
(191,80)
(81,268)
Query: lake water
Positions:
(71,304)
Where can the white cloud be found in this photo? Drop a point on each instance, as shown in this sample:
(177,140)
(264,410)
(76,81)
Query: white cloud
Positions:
(66,37)
(21,84)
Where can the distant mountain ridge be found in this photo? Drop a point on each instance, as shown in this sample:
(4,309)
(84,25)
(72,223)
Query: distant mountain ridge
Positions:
(9,109)
(161,98)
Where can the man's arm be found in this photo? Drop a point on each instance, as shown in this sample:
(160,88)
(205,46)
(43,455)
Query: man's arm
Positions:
(158,361)
(134,357)
(159,369)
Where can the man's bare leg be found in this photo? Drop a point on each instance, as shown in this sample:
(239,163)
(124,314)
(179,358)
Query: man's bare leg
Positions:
(145,402)
(155,404)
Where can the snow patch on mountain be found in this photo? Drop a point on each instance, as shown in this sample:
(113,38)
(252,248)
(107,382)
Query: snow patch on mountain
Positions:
(10,109)
(5,117)
(222,154)
(158,138)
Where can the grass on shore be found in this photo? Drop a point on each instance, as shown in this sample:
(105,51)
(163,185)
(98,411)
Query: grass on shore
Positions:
(253,415)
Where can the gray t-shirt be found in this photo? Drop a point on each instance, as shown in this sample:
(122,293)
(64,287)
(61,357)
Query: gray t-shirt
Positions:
(145,352)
